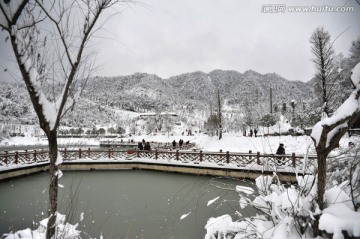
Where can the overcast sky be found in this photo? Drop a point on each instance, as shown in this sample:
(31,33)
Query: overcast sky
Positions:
(171,37)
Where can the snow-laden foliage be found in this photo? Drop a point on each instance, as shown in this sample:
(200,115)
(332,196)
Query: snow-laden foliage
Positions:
(344,172)
(287,211)
(284,212)
(63,230)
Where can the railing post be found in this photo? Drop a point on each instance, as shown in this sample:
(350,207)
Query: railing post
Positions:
(258,158)
(65,154)
(201,155)
(250,152)
(138,153)
(6,157)
(80,153)
(35,155)
(156,154)
(109,153)
(16,157)
(293,160)
(26,155)
(177,155)
(227,157)
(88,152)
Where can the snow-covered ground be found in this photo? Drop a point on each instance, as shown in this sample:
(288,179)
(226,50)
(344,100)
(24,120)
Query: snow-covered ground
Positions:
(31,141)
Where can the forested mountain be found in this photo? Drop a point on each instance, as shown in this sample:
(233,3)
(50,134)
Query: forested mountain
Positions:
(143,92)
(105,98)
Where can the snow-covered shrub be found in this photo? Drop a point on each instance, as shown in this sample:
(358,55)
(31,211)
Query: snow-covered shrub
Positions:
(287,211)
(344,170)
(63,230)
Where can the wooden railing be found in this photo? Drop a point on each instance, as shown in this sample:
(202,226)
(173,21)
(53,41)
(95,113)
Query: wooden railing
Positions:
(219,158)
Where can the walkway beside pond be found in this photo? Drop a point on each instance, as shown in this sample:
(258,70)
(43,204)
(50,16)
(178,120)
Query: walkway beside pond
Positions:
(239,165)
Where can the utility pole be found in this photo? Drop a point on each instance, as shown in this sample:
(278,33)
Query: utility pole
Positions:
(219,114)
(271,104)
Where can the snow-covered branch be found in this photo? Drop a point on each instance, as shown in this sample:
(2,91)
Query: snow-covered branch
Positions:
(326,132)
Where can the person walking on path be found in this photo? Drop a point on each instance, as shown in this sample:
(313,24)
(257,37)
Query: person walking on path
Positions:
(280,151)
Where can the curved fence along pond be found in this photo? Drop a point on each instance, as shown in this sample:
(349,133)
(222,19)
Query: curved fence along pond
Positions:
(124,204)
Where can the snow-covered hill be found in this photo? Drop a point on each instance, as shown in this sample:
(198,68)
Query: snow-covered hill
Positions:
(108,100)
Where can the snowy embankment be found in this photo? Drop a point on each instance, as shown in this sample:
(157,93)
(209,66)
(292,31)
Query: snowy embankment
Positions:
(238,143)
(230,142)
(31,141)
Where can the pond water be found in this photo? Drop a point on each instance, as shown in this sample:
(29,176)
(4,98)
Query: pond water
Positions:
(123,204)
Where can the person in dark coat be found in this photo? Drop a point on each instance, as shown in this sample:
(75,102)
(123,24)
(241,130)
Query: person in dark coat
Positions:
(147,146)
(251,133)
(140,146)
(255,132)
(181,142)
(174,143)
(280,151)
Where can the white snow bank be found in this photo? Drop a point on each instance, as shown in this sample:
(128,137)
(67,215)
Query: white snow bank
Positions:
(339,217)
(339,214)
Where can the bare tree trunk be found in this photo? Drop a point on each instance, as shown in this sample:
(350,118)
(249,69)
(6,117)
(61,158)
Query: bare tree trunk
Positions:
(321,183)
(53,188)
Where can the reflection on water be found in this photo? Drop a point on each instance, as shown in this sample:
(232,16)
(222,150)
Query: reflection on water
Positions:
(124,204)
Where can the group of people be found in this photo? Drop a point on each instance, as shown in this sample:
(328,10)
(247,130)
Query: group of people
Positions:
(181,142)
(144,145)
(251,133)
(188,132)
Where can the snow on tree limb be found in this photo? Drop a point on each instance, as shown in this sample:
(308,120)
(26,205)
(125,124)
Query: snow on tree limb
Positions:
(355,77)
(327,130)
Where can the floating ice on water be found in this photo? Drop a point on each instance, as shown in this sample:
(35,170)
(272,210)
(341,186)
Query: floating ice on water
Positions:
(184,216)
(212,201)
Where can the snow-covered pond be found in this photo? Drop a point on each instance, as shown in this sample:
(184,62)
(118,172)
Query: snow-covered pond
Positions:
(124,204)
